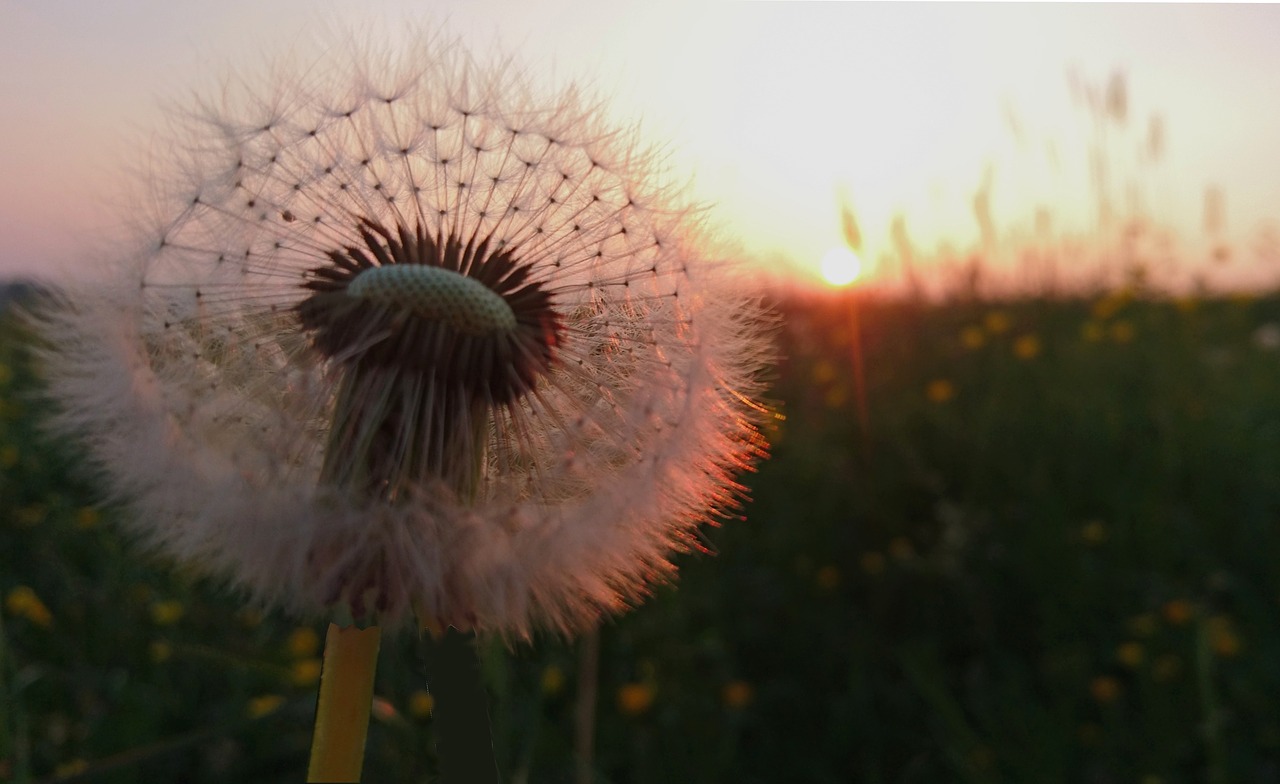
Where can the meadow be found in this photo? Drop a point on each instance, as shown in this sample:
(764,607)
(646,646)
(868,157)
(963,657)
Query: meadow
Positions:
(1038,544)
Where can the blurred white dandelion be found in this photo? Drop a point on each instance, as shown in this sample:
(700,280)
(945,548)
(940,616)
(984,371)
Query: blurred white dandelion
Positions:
(403,339)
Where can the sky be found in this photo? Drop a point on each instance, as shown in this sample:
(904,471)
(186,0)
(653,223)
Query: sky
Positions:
(779,112)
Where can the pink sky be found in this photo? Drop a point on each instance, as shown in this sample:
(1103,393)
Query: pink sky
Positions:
(775,108)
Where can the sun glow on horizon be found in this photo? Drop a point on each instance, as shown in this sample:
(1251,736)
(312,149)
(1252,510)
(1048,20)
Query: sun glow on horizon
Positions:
(840,266)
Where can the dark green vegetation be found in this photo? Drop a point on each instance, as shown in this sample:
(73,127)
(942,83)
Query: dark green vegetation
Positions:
(1051,557)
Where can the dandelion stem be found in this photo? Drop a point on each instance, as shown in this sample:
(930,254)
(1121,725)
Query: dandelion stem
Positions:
(464,741)
(346,698)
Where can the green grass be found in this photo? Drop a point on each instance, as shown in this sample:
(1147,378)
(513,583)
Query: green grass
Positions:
(1053,565)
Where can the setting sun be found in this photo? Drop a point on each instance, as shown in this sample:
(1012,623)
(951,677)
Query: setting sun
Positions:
(841,266)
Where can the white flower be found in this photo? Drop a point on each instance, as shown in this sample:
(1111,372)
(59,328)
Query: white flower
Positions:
(403,341)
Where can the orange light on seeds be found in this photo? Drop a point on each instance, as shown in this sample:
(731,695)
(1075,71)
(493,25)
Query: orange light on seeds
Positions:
(972,338)
(635,699)
(940,390)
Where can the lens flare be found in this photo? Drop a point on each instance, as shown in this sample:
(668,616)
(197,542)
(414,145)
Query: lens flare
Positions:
(840,266)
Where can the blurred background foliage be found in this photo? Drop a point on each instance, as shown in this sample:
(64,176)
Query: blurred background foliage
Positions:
(1050,556)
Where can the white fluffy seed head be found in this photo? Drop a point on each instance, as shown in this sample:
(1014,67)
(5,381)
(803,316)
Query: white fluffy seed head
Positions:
(436,293)
(257,424)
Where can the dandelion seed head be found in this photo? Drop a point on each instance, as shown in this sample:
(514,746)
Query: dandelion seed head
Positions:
(401,338)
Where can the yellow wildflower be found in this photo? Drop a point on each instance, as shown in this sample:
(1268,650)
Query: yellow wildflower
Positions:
(972,338)
(421,703)
(70,768)
(264,705)
(1092,332)
(823,371)
(23,602)
(997,322)
(9,456)
(1094,533)
(1026,347)
(552,680)
(86,518)
(305,672)
(1122,331)
(1177,612)
(1222,637)
(31,515)
(940,390)
(160,650)
(6,374)
(167,612)
(303,642)
(1104,689)
(737,695)
(635,698)
(1130,654)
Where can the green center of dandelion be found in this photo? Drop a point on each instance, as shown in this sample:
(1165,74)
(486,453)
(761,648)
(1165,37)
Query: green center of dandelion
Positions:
(430,338)
(439,294)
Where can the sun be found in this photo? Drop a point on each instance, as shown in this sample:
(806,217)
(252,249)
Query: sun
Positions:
(841,266)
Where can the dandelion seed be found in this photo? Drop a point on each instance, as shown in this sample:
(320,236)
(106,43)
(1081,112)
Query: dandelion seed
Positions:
(401,341)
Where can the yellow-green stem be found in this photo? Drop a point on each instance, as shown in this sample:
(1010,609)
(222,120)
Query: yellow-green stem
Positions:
(346,698)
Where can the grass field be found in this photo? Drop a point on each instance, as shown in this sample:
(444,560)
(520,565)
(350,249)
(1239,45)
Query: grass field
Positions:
(1050,555)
